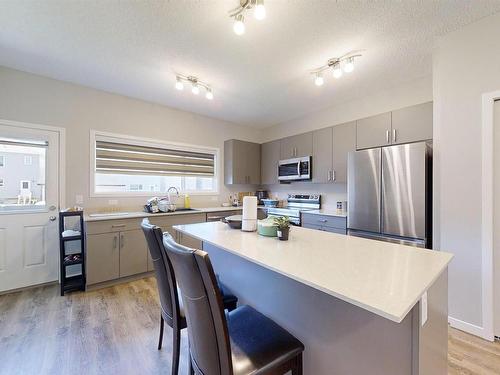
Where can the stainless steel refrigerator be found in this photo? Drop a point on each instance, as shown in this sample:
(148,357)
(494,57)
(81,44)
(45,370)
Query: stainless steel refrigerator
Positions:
(390,194)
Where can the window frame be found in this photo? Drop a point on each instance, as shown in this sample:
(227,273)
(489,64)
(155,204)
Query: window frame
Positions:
(153,143)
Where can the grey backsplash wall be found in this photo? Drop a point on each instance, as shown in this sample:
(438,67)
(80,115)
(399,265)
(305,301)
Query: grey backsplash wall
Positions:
(330,193)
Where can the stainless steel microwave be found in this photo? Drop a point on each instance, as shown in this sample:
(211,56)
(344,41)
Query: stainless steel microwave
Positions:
(294,169)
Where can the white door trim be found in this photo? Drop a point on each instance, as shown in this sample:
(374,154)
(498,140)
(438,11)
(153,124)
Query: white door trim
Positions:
(62,152)
(487,212)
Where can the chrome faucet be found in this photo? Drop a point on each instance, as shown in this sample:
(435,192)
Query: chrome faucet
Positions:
(168,192)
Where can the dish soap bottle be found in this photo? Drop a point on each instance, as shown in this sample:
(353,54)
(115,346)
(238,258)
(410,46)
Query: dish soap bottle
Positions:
(187,201)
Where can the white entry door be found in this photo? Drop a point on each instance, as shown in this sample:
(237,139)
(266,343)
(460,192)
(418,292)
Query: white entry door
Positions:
(29,205)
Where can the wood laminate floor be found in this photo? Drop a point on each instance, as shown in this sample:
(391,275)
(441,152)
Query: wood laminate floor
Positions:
(115,331)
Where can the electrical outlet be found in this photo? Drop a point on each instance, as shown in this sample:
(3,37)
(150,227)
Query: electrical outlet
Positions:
(423,309)
(113,202)
(214,198)
(79,199)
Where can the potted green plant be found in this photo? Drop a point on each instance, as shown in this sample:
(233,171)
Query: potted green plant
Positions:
(283,224)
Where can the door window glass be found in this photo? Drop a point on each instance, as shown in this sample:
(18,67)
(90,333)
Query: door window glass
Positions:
(23,177)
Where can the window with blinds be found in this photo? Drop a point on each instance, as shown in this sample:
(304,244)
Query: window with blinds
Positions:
(136,167)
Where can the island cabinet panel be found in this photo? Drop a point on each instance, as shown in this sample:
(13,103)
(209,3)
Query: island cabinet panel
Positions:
(241,162)
(103,257)
(296,146)
(412,124)
(133,253)
(373,131)
(184,239)
(327,223)
(322,156)
(270,156)
(344,141)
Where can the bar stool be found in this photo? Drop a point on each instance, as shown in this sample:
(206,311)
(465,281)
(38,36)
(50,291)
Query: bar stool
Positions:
(172,310)
(240,342)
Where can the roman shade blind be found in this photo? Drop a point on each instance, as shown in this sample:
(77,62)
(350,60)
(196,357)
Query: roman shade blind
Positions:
(133,159)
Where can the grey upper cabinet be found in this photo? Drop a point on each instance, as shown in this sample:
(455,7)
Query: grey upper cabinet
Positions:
(344,141)
(296,146)
(322,156)
(241,162)
(412,124)
(270,156)
(373,131)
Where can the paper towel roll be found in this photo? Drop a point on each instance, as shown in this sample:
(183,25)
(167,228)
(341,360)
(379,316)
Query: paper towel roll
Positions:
(249,217)
(249,208)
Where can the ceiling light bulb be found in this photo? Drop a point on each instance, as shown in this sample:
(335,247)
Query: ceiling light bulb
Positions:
(195,90)
(209,95)
(239,25)
(349,65)
(318,81)
(260,10)
(337,72)
(178,84)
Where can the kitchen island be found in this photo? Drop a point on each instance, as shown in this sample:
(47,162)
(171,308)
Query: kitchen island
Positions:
(359,306)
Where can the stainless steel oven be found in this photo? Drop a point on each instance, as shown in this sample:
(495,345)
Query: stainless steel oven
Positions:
(295,169)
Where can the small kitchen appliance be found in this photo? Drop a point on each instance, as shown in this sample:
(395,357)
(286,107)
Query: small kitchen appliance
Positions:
(297,203)
(261,194)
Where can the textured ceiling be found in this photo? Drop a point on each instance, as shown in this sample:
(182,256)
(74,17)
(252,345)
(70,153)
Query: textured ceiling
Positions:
(261,78)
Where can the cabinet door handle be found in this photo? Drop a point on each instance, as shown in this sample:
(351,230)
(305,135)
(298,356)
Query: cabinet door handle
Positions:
(394,135)
(122,241)
(118,225)
(323,220)
(333,175)
(328,176)
(387,136)
(115,239)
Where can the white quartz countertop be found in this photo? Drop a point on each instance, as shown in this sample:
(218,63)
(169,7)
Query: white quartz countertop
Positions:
(386,279)
(327,212)
(139,214)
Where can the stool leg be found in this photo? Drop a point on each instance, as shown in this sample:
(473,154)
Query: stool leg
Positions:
(162,323)
(176,333)
(297,370)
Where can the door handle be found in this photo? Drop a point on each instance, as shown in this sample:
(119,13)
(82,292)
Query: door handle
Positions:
(387,136)
(52,208)
(328,176)
(115,239)
(333,175)
(394,135)
(122,241)
(52,218)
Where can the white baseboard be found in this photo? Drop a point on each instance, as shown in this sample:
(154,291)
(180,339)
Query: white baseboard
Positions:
(469,328)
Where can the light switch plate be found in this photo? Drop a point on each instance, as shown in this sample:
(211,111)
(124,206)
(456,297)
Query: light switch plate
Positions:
(79,199)
(423,309)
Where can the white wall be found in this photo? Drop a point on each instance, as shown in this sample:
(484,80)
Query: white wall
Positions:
(31,98)
(466,65)
(413,92)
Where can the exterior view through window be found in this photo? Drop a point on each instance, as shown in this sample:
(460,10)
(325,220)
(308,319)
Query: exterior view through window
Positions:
(22,185)
(136,167)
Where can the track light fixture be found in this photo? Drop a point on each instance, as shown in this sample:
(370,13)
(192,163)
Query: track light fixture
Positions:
(339,66)
(238,14)
(195,85)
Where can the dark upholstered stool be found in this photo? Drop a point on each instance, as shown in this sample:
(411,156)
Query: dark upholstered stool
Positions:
(238,343)
(172,310)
